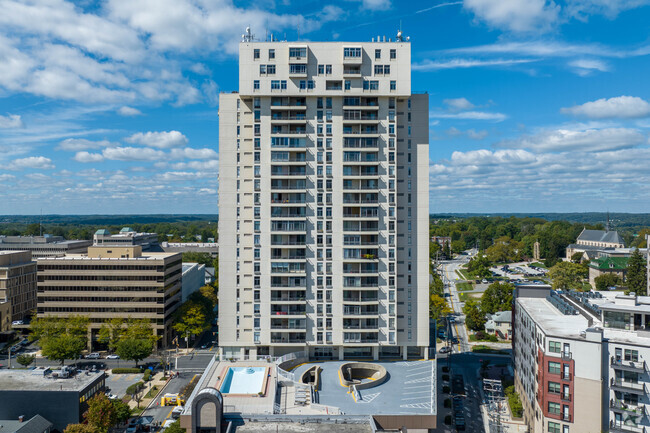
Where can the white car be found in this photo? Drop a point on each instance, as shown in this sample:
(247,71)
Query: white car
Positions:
(111,396)
(17,322)
(113,356)
(93,355)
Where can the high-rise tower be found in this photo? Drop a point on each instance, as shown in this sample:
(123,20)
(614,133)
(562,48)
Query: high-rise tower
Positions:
(324,203)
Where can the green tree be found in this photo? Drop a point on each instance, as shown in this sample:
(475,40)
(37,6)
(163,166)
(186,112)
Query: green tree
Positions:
(135,349)
(81,428)
(636,276)
(438,307)
(131,339)
(457,246)
(191,319)
(122,411)
(175,427)
(474,318)
(61,338)
(196,257)
(497,297)
(577,257)
(101,413)
(566,276)
(437,286)
(446,250)
(479,266)
(605,281)
(210,293)
(25,360)
(505,250)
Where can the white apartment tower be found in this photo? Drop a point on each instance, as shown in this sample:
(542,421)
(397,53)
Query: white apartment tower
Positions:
(324,203)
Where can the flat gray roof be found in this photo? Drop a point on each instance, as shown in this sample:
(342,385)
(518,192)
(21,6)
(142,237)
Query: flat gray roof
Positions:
(267,426)
(551,320)
(34,380)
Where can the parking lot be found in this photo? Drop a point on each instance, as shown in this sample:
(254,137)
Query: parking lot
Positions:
(118,383)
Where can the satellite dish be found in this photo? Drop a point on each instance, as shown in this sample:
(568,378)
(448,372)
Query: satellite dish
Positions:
(248,29)
(399,34)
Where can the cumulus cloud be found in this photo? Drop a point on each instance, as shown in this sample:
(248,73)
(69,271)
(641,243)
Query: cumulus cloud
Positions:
(470,133)
(621,107)
(161,140)
(38,162)
(11,121)
(133,154)
(189,153)
(515,15)
(209,165)
(84,156)
(587,140)
(484,156)
(128,111)
(458,104)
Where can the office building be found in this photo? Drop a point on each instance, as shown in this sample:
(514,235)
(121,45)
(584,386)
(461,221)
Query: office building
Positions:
(18,283)
(324,202)
(61,397)
(110,282)
(43,246)
(581,360)
(127,237)
(193,279)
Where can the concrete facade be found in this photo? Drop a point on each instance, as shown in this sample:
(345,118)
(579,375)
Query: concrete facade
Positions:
(18,283)
(323,203)
(44,246)
(112,282)
(193,279)
(127,237)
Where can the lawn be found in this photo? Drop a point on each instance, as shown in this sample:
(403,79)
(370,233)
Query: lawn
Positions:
(480,348)
(462,273)
(464,297)
(464,286)
(538,265)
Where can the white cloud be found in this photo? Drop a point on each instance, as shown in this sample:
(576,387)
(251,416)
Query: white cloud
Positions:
(376,4)
(618,107)
(77,144)
(189,153)
(84,156)
(610,8)
(470,133)
(586,140)
(6,177)
(515,15)
(584,67)
(133,154)
(161,140)
(11,121)
(470,115)
(209,165)
(39,162)
(483,156)
(458,104)
(128,111)
(430,65)
(208,191)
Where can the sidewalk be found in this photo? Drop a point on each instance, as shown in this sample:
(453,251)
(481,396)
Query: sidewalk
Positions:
(160,383)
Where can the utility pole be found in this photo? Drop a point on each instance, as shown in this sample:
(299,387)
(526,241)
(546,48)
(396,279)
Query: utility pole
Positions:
(494,398)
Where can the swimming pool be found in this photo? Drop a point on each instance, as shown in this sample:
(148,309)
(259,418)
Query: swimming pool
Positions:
(244,380)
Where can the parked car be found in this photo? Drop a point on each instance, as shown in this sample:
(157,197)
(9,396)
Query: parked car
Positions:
(93,355)
(113,356)
(17,322)
(445,349)
(111,396)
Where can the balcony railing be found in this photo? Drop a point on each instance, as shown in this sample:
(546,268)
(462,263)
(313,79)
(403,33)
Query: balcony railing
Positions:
(359,299)
(639,366)
(287,340)
(617,404)
(636,386)
(620,427)
(286,299)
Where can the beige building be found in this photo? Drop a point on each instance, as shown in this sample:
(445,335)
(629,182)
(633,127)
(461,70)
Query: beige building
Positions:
(18,283)
(111,282)
(44,246)
(324,202)
(580,360)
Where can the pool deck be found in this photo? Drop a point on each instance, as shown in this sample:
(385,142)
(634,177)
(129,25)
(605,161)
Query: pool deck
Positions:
(246,403)
(409,390)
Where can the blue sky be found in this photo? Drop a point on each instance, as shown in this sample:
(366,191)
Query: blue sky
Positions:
(535,105)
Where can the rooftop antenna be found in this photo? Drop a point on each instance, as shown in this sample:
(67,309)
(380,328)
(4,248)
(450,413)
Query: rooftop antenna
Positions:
(40,224)
(248,36)
(298,31)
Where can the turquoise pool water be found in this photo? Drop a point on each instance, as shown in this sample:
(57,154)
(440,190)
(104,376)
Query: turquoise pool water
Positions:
(243,380)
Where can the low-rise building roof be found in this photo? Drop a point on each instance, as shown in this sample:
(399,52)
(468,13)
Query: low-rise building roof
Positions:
(609,263)
(37,424)
(600,236)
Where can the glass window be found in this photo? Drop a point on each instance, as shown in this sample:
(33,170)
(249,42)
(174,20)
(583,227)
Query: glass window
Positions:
(270,69)
(262,69)
(393,54)
(328,69)
(631,355)
(298,52)
(614,319)
(256,54)
(554,367)
(379,69)
(393,86)
(351,52)
(271,54)
(386,69)
(553,427)
(554,346)
(377,54)
(554,408)
(348,84)
(321,69)
(256,84)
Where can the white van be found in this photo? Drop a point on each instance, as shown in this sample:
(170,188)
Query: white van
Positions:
(93,355)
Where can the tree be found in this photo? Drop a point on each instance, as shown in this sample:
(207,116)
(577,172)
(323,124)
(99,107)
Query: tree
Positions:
(505,250)
(196,257)
(474,318)
(122,411)
(81,428)
(191,319)
(566,276)
(131,339)
(497,297)
(61,338)
(479,266)
(636,276)
(136,391)
(437,286)
(605,281)
(25,360)
(101,413)
(438,307)
(458,246)
(175,427)
(577,257)
(210,293)
(446,250)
